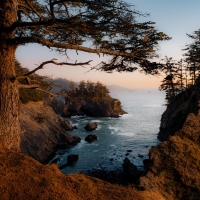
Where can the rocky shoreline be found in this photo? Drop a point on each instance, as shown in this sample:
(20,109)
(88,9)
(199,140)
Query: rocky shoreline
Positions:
(172,169)
(43,131)
(95,107)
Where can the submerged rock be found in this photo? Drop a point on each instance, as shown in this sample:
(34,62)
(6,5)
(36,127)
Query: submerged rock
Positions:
(72,159)
(91,138)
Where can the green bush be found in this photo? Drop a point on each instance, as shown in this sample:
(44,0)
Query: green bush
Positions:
(27,95)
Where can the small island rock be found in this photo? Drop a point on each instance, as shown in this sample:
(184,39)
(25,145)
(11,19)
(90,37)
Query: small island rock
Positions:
(91,138)
(90,126)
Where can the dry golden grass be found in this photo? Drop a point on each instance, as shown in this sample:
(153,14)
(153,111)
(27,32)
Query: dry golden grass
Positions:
(22,177)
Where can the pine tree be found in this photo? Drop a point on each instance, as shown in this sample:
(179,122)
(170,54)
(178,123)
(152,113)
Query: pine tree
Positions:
(110,27)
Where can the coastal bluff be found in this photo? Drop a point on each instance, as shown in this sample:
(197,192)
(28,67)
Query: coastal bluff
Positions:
(174,168)
(95,107)
(43,131)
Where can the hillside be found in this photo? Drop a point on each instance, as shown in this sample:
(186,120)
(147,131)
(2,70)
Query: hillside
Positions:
(43,131)
(21,177)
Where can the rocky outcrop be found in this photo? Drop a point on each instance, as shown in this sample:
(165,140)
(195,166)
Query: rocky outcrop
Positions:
(174,165)
(56,103)
(91,138)
(176,113)
(131,171)
(43,131)
(99,107)
(72,158)
(90,127)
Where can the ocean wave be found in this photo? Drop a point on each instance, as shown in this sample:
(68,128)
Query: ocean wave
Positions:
(116,129)
(129,134)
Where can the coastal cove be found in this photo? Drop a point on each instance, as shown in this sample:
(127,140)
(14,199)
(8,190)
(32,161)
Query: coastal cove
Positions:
(131,135)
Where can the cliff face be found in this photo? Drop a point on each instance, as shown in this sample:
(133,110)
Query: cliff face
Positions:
(177,111)
(99,107)
(175,164)
(43,131)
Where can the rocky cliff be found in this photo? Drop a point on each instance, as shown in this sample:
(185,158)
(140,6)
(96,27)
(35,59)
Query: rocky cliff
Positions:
(43,131)
(99,107)
(177,111)
(175,164)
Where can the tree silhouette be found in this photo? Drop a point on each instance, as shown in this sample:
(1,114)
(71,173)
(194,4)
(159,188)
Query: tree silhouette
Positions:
(192,55)
(168,83)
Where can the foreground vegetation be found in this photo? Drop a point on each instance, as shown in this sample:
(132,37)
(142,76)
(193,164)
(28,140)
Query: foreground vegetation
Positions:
(37,181)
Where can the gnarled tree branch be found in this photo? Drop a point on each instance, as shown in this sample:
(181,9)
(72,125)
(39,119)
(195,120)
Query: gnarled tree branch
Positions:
(49,44)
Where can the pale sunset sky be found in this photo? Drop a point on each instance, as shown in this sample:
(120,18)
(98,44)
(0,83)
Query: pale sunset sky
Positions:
(173,17)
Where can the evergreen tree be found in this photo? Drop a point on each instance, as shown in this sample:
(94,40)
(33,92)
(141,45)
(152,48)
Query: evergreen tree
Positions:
(110,27)
(168,83)
(90,88)
(192,55)
(82,88)
(72,89)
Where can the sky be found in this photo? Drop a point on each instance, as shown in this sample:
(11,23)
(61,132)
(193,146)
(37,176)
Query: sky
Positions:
(173,17)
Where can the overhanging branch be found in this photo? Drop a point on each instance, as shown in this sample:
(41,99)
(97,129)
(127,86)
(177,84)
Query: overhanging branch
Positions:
(56,63)
(49,44)
(25,86)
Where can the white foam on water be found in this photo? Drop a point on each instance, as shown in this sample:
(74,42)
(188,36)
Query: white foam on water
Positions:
(115,129)
(95,121)
(128,134)
(80,144)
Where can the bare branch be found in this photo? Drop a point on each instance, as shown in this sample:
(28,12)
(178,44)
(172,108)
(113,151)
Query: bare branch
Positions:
(56,63)
(34,10)
(45,91)
(32,86)
(27,14)
(51,9)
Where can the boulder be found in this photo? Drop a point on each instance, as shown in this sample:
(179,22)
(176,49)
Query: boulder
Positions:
(147,163)
(72,159)
(131,171)
(91,138)
(90,126)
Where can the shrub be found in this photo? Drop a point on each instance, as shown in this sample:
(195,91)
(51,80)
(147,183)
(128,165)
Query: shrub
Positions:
(27,95)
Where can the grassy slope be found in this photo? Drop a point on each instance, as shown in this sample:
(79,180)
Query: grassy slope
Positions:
(21,177)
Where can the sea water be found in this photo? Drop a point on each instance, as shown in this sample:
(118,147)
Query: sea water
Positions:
(130,135)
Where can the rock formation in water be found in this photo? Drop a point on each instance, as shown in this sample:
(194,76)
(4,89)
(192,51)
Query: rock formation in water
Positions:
(91,138)
(43,131)
(90,126)
(174,165)
(96,107)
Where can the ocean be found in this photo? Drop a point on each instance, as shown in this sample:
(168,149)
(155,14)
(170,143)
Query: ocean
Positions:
(131,135)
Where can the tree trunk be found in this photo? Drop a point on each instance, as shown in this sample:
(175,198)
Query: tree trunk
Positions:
(9,101)
(9,95)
